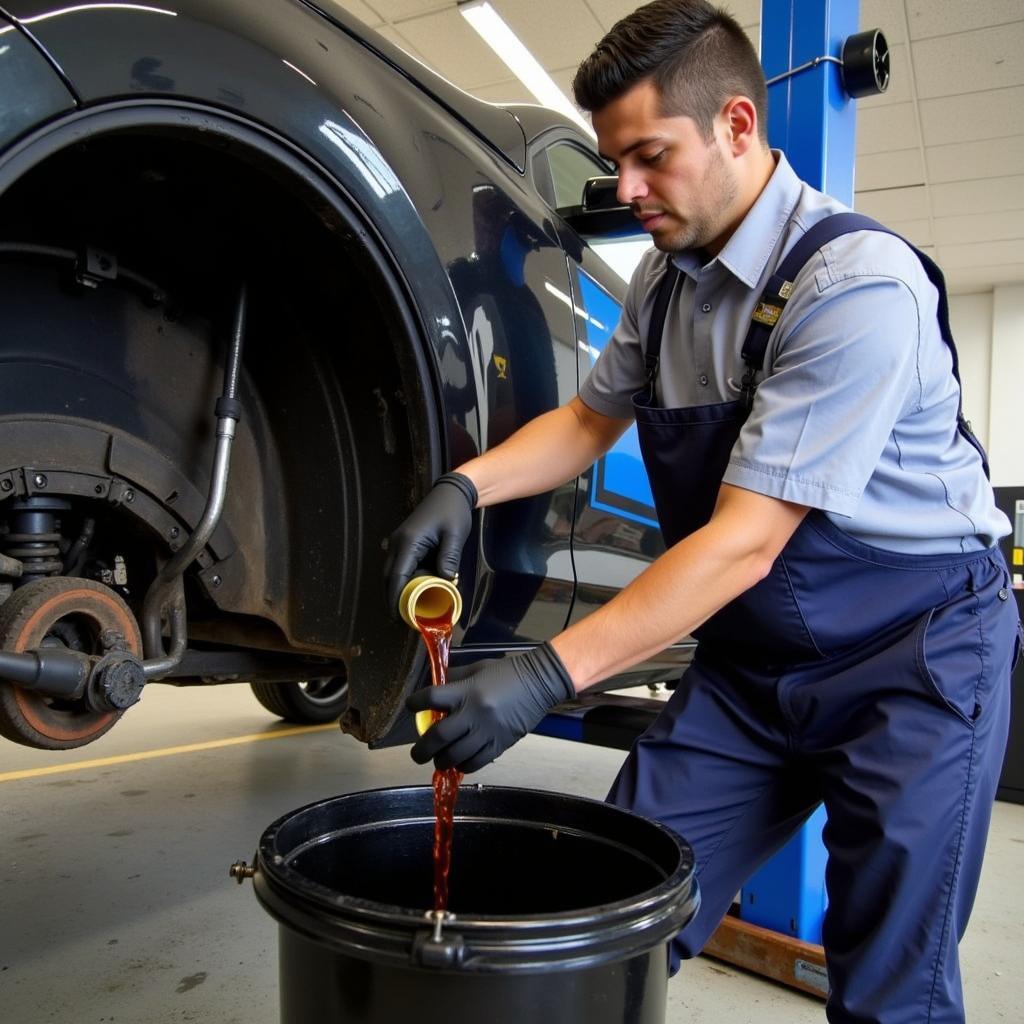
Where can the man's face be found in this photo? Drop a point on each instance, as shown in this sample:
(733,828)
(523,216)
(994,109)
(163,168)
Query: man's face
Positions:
(680,187)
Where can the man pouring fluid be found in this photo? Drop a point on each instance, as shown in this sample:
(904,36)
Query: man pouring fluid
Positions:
(830,530)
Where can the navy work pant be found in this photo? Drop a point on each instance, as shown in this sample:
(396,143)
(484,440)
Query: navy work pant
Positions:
(902,738)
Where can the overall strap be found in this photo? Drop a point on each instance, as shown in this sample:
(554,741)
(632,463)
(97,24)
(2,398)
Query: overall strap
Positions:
(656,327)
(780,287)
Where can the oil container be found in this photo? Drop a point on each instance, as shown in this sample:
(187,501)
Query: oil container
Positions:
(560,910)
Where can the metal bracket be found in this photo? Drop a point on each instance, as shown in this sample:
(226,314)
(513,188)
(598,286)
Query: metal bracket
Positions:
(804,67)
(95,266)
(433,948)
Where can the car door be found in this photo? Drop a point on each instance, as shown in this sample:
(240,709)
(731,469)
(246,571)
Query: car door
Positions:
(514,289)
(616,532)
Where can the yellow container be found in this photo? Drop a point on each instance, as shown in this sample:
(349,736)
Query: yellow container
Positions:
(430,597)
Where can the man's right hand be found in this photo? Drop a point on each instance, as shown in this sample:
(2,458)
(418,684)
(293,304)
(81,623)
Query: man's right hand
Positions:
(440,522)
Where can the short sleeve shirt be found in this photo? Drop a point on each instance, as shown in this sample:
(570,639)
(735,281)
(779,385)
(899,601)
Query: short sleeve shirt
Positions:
(855,413)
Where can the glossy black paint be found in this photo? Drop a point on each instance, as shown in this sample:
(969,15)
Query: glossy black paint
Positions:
(449,319)
(31,92)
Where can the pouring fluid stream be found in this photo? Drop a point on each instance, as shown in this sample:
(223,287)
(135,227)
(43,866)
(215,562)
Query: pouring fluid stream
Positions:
(437,635)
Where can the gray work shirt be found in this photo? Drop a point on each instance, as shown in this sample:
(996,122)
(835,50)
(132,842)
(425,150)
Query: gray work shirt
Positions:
(856,411)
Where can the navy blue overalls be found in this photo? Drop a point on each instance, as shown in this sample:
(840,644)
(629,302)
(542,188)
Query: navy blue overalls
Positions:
(875,681)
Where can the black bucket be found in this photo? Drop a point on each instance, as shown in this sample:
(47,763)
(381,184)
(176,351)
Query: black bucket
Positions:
(562,909)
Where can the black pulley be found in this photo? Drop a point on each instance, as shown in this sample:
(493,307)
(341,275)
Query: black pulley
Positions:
(865,68)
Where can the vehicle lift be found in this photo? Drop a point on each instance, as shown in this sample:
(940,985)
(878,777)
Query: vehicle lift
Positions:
(816,63)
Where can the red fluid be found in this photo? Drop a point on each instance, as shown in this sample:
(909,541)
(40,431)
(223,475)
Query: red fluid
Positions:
(437,635)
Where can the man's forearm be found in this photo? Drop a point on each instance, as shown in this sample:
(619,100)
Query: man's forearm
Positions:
(681,589)
(543,454)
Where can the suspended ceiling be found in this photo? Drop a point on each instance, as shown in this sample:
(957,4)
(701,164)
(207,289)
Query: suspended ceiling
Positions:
(940,156)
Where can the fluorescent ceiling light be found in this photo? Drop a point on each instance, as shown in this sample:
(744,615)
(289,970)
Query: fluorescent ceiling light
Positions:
(507,45)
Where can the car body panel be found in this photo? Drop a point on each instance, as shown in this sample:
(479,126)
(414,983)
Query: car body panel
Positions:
(430,188)
(505,294)
(32,91)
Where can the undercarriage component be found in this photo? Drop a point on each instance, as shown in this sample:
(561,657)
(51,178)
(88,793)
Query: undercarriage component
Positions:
(33,544)
(57,673)
(107,391)
(77,616)
(167,590)
(34,536)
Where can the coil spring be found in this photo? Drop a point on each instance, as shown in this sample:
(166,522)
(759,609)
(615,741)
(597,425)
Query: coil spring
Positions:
(34,539)
(38,552)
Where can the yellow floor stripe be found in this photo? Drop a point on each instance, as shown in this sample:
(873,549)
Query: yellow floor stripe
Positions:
(145,755)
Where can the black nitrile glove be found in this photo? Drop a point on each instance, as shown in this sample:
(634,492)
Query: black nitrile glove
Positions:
(441,522)
(490,705)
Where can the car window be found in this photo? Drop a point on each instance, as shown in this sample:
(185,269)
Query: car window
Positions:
(542,177)
(559,173)
(570,168)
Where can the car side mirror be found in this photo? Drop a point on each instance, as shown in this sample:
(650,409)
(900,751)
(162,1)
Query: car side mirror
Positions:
(601,215)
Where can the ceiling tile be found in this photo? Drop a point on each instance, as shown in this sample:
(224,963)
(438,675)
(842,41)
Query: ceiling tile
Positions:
(746,12)
(886,15)
(358,8)
(509,91)
(883,129)
(978,115)
(917,232)
(563,79)
(968,280)
(889,170)
(449,45)
(610,11)
(990,158)
(555,33)
(979,227)
(893,204)
(942,17)
(392,35)
(986,196)
(395,10)
(899,90)
(988,58)
(981,254)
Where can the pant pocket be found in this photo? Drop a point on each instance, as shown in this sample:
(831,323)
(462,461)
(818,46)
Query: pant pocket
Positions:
(951,656)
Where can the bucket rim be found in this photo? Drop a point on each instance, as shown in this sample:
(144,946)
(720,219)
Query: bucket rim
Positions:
(280,876)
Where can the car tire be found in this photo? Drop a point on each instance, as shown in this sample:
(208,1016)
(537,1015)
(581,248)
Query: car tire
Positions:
(308,702)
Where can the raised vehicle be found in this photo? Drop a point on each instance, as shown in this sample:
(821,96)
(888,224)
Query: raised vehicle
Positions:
(263,278)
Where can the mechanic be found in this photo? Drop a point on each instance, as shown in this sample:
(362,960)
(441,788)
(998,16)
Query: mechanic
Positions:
(830,529)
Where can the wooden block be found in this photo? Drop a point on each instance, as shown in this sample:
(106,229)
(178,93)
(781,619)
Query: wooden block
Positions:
(799,965)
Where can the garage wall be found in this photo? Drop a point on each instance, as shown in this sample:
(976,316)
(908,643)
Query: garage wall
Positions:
(970,317)
(989,331)
(1006,418)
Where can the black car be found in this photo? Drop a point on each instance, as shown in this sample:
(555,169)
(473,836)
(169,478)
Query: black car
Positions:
(273,204)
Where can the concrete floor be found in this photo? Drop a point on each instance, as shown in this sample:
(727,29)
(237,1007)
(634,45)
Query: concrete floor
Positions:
(116,904)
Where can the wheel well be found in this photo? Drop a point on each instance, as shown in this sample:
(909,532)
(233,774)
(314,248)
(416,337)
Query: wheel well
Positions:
(103,379)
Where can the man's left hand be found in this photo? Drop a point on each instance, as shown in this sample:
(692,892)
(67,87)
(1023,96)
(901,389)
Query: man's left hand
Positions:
(489,706)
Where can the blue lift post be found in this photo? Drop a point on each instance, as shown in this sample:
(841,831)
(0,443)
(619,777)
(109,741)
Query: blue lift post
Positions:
(813,121)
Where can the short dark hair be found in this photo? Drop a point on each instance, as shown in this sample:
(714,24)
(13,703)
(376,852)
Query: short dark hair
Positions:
(696,55)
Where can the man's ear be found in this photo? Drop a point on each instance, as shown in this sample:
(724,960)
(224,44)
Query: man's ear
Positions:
(739,120)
